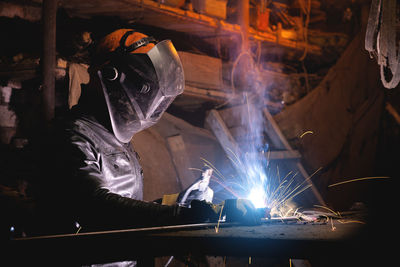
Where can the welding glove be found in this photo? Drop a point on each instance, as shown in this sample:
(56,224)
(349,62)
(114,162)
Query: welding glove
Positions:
(243,211)
(199,211)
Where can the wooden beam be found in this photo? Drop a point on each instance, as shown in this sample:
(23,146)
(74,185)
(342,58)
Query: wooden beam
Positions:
(183,126)
(201,71)
(274,132)
(49,58)
(393,112)
(243,9)
(220,130)
(154,13)
(279,140)
(238,115)
(26,11)
(181,161)
(203,94)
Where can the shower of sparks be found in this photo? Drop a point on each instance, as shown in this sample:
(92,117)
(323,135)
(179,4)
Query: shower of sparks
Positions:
(335,214)
(255,179)
(259,182)
(254,182)
(328,209)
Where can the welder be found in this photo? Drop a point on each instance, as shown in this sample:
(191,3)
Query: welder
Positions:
(97,181)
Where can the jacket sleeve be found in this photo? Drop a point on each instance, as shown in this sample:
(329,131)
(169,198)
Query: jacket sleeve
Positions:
(94,205)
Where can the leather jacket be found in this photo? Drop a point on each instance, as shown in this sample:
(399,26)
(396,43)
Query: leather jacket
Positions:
(97,181)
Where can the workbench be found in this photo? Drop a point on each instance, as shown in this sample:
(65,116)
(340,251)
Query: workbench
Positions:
(272,238)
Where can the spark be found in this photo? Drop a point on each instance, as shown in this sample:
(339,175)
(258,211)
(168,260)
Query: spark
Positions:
(359,179)
(219,219)
(333,212)
(78,226)
(305,133)
(351,221)
(79,229)
(333,227)
(338,216)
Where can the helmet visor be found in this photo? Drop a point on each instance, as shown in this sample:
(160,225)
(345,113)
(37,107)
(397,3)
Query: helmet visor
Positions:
(143,88)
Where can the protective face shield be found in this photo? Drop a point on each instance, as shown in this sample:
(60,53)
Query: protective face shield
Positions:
(138,88)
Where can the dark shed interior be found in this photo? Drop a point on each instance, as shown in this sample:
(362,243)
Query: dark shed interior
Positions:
(302,93)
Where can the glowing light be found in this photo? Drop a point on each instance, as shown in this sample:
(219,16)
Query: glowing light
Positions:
(257,197)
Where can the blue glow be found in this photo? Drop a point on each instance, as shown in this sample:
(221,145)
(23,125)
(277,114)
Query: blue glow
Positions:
(258,197)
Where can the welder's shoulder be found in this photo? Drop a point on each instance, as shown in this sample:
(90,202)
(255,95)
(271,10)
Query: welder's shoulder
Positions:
(79,136)
(80,129)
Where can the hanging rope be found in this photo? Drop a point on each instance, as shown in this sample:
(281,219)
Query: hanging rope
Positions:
(380,40)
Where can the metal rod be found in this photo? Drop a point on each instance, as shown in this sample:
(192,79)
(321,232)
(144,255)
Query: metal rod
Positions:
(49,15)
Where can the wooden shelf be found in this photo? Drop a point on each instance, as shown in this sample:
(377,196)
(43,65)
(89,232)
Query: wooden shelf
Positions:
(152,13)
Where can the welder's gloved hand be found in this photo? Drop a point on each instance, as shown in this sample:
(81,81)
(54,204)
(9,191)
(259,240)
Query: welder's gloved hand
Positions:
(243,211)
(199,190)
(205,211)
(199,211)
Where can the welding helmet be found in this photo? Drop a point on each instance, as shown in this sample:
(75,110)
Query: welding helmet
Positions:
(139,81)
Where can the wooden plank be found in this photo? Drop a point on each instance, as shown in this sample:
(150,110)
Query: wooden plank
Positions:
(155,14)
(389,108)
(241,132)
(183,126)
(210,93)
(199,97)
(181,161)
(274,132)
(220,96)
(213,8)
(238,115)
(201,71)
(220,130)
(27,11)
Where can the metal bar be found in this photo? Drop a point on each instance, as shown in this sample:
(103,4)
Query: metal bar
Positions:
(273,239)
(49,15)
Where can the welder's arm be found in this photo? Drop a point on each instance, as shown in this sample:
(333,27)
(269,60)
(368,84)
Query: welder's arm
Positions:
(97,206)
